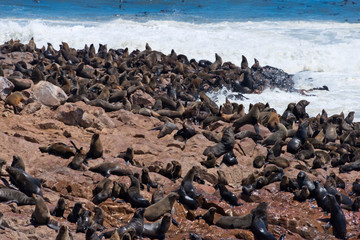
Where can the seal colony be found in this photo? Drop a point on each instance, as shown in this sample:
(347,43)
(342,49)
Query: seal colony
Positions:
(157,171)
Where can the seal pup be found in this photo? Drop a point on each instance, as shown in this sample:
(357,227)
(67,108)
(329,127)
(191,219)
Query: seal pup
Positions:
(229,159)
(136,222)
(134,197)
(157,195)
(222,178)
(303,179)
(96,148)
(210,161)
(251,118)
(64,233)
(102,192)
(11,195)
(58,211)
(227,195)
(84,221)
(41,214)
(302,194)
(14,99)
(158,228)
(187,182)
(128,156)
(75,212)
(158,209)
(145,179)
(78,159)
(208,216)
(187,132)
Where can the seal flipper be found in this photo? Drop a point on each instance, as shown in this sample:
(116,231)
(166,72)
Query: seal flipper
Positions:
(282,237)
(174,222)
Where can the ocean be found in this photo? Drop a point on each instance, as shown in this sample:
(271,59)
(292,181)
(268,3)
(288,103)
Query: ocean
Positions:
(317,41)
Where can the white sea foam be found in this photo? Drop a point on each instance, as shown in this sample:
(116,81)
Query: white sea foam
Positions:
(319,53)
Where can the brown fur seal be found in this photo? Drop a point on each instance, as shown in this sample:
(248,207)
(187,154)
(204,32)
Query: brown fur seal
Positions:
(227,195)
(157,195)
(59,149)
(210,161)
(137,223)
(299,139)
(134,197)
(259,224)
(165,129)
(75,212)
(96,148)
(145,179)
(64,233)
(238,222)
(108,168)
(11,195)
(187,182)
(84,222)
(221,177)
(102,191)
(91,234)
(59,209)
(337,218)
(155,211)
(158,228)
(208,216)
(41,214)
(18,162)
(251,118)
(14,100)
(226,144)
(24,181)
(128,156)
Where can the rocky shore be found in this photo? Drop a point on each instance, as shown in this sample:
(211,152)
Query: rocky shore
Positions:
(143,113)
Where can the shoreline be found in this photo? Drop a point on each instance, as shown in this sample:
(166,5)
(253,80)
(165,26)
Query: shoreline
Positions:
(123,95)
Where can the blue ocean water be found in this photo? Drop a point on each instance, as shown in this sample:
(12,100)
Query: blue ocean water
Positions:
(183,10)
(316,40)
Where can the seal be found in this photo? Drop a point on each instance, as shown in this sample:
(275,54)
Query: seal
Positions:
(18,163)
(41,214)
(302,194)
(229,159)
(84,221)
(299,139)
(226,144)
(356,187)
(91,234)
(58,211)
(259,224)
(210,161)
(134,197)
(59,149)
(96,148)
(128,156)
(157,195)
(303,179)
(187,132)
(187,182)
(24,182)
(158,228)
(251,118)
(104,193)
(108,168)
(337,218)
(145,179)
(222,178)
(136,222)
(156,210)
(208,216)
(75,213)
(64,233)
(14,99)
(78,160)
(12,195)
(98,219)
(187,201)
(227,195)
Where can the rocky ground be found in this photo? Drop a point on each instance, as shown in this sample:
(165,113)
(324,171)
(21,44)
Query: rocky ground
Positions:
(38,125)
